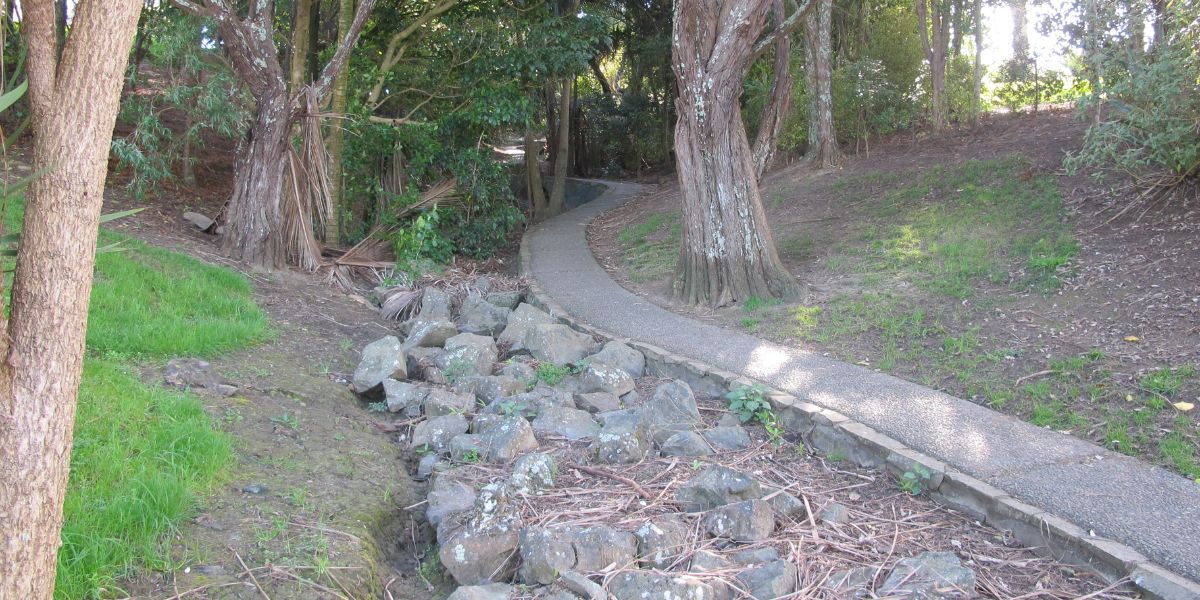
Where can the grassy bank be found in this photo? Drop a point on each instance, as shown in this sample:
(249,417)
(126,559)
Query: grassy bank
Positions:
(142,454)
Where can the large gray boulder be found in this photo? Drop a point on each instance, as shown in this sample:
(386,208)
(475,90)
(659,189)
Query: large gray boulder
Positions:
(597,402)
(436,433)
(727,438)
(491,388)
(404,397)
(530,404)
(662,540)
(435,303)
(482,317)
(546,552)
(491,591)
(467,355)
(522,318)
(382,359)
(930,576)
(685,443)
(603,377)
(671,409)
(570,423)
(481,550)
(533,473)
(447,496)
(429,332)
(644,585)
(445,402)
(771,580)
(620,355)
(717,486)
(621,440)
(557,343)
(499,443)
(746,521)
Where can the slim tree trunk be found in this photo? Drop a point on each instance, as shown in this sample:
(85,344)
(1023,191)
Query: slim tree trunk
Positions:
(298,65)
(533,177)
(345,19)
(779,105)
(728,253)
(1020,39)
(74,107)
(977,99)
(823,152)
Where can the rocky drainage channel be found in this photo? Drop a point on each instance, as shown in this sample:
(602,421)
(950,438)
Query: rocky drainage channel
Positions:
(619,477)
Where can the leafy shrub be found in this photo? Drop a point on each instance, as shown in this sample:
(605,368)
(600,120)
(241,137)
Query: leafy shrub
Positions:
(1022,84)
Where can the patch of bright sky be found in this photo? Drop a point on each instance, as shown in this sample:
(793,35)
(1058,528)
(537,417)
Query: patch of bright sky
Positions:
(998,31)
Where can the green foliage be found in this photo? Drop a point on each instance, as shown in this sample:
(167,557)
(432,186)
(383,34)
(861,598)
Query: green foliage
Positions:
(1022,84)
(1166,382)
(1149,127)
(422,240)
(749,402)
(915,480)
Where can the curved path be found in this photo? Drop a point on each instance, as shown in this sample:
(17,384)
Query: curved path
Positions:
(1148,508)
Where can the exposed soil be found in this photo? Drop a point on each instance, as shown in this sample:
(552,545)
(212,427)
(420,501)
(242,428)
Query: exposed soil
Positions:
(1129,301)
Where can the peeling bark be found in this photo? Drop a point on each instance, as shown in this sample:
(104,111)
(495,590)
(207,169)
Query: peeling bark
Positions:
(823,151)
(728,253)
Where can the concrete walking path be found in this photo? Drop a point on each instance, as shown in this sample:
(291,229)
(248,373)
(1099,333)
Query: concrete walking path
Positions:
(1145,507)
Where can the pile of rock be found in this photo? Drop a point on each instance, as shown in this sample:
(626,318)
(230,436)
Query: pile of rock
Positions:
(707,539)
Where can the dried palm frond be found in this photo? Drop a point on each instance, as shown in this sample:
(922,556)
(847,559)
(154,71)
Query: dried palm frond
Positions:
(307,201)
(400,304)
(442,193)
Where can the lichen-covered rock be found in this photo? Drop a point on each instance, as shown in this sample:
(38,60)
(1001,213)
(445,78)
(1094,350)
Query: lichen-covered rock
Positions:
(404,397)
(755,556)
(571,423)
(440,402)
(661,540)
(522,318)
(581,587)
(481,551)
(786,505)
(930,576)
(436,433)
(545,552)
(775,579)
(422,364)
(621,440)
(620,355)
(435,303)
(382,359)
(519,368)
(530,404)
(670,410)
(557,343)
(499,443)
(602,377)
(717,486)
(727,438)
(482,317)
(533,473)
(467,355)
(685,443)
(746,521)
(704,562)
(646,585)
(597,402)
(600,547)
(491,591)
(429,332)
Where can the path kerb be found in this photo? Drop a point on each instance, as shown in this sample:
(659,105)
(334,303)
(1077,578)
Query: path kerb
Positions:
(832,432)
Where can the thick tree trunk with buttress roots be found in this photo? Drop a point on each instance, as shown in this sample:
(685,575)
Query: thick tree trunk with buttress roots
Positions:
(73,102)
(728,254)
(255,205)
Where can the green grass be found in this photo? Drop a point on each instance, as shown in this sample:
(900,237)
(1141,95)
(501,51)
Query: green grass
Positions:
(142,455)
(552,374)
(1166,382)
(651,247)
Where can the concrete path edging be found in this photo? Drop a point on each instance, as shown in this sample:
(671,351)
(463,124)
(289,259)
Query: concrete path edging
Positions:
(1067,509)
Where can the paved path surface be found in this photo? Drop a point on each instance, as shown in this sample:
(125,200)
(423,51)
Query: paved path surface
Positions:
(1146,507)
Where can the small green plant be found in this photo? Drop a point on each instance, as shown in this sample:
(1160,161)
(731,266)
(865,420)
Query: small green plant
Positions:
(914,480)
(837,456)
(472,457)
(509,408)
(552,374)
(1166,382)
(288,420)
(749,402)
(378,407)
(457,369)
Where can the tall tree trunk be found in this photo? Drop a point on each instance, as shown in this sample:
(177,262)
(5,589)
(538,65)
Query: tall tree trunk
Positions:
(298,63)
(1160,24)
(823,149)
(254,215)
(933,20)
(562,158)
(345,19)
(74,107)
(977,99)
(1020,38)
(779,105)
(728,253)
